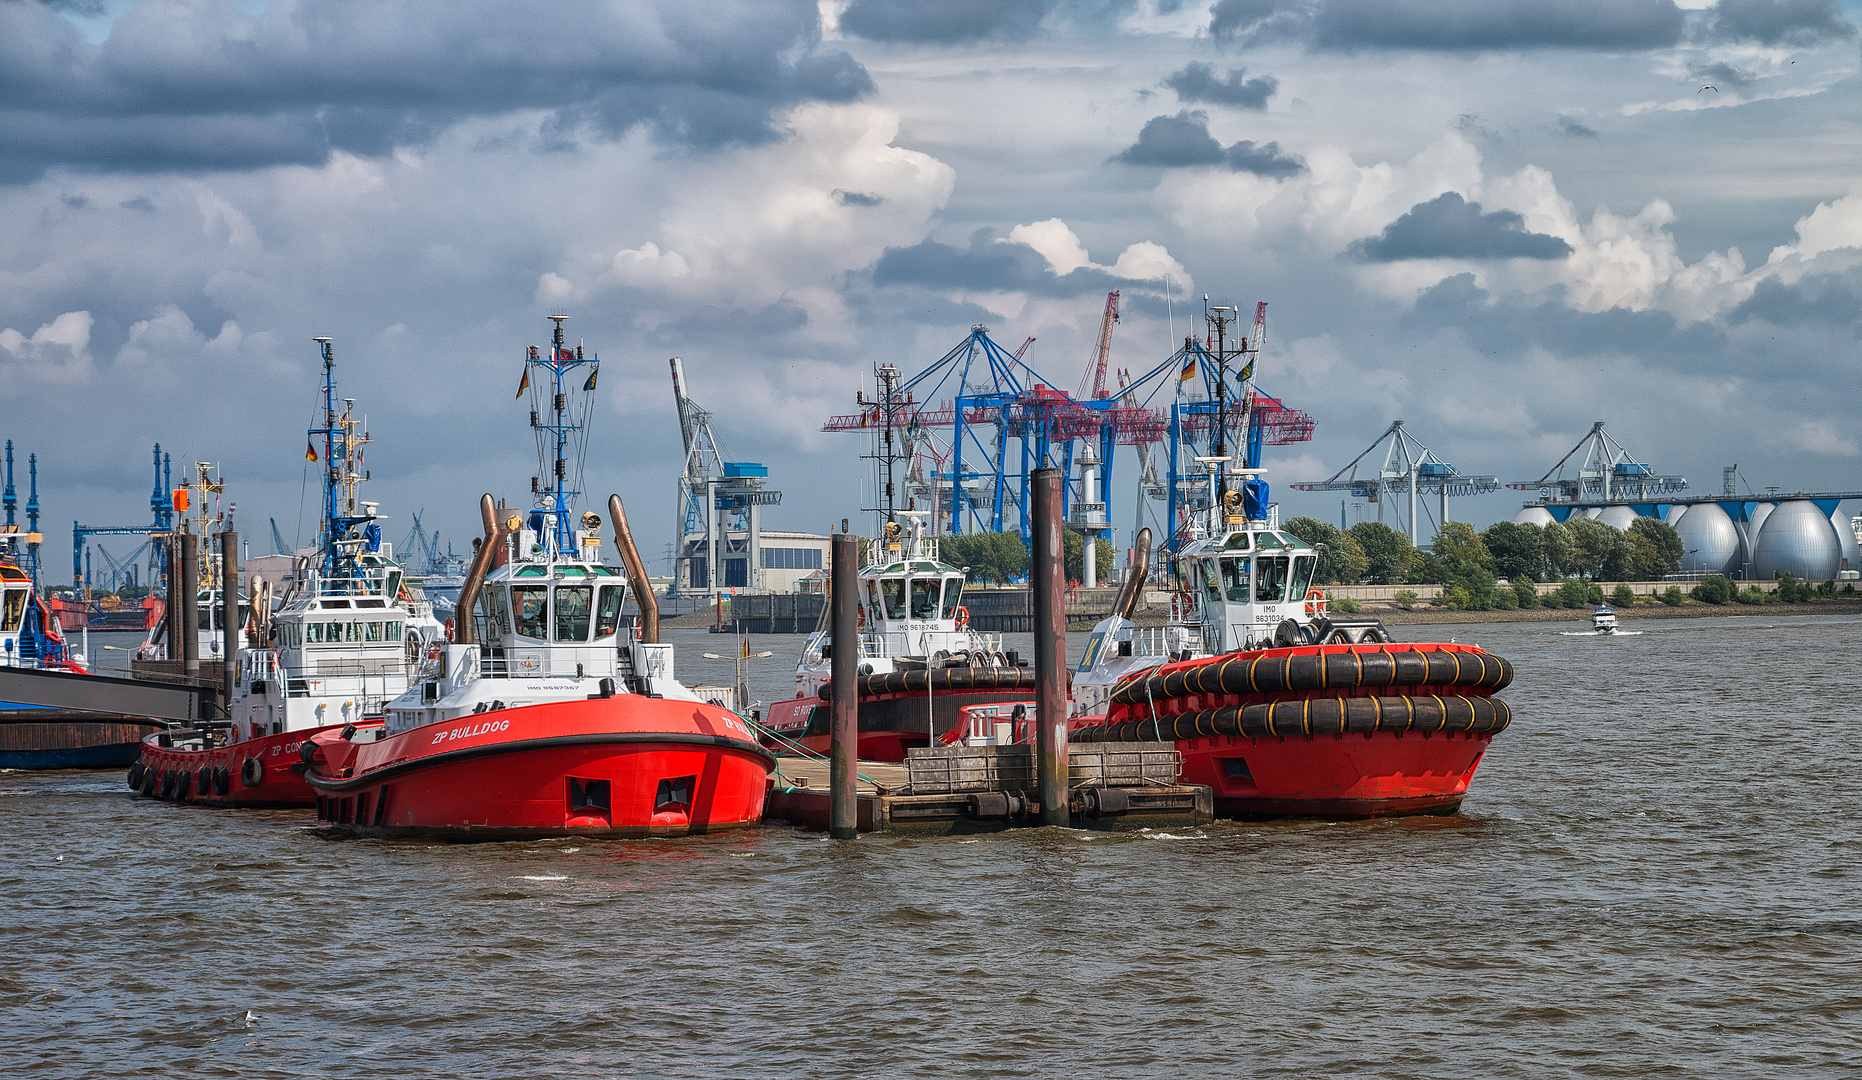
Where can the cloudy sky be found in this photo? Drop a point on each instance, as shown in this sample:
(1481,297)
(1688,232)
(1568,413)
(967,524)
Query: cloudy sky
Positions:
(1498,221)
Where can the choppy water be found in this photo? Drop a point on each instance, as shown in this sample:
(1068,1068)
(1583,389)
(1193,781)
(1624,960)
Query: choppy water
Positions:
(1655,874)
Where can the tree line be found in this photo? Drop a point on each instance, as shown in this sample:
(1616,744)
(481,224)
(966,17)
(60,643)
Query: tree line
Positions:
(1002,558)
(1471,565)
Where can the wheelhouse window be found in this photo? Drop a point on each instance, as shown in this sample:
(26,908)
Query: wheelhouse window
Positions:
(530,605)
(893,591)
(1235,578)
(371,632)
(1212,585)
(953,596)
(608,610)
(924,597)
(1270,578)
(573,604)
(15,610)
(313,633)
(1302,575)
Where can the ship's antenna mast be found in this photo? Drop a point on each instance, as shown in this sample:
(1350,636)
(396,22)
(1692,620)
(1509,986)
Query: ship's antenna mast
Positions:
(556,497)
(888,451)
(329,455)
(1218,318)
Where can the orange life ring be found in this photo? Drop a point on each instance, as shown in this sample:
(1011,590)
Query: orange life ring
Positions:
(433,651)
(859,614)
(963,616)
(1315,603)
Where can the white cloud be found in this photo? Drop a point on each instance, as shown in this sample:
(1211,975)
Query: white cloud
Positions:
(1054,241)
(57,353)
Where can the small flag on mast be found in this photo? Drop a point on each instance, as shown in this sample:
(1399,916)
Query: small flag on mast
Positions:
(1189,368)
(310,451)
(524,384)
(590,384)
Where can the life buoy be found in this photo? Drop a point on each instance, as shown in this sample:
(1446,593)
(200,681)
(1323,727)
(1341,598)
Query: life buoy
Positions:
(449,629)
(963,616)
(433,651)
(1315,603)
(860,619)
(252,772)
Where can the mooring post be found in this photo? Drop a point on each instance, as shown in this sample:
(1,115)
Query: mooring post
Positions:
(844,700)
(187,586)
(171,608)
(229,614)
(1050,645)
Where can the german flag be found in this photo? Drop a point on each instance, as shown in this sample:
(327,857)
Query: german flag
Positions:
(1189,368)
(524,384)
(310,451)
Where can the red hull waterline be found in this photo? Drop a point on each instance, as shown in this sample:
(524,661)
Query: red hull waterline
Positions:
(625,766)
(1306,731)
(222,776)
(1380,774)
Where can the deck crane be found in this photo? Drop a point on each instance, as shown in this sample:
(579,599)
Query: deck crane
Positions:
(1096,368)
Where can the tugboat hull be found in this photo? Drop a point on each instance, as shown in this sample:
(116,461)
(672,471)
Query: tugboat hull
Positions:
(259,773)
(621,766)
(1336,731)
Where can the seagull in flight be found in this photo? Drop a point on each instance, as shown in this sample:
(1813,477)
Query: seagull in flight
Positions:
(1706,88)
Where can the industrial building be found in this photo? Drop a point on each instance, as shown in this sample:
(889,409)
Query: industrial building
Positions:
(1749,536)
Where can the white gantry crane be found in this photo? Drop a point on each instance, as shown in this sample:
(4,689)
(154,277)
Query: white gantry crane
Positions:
(1408,468)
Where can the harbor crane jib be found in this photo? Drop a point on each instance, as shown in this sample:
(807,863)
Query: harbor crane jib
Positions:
(1407,468)
(718,532)
(162,512)
(1605,471)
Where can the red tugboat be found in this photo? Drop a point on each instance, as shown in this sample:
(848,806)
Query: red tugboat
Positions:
(1280,709)
(545,715)
(343,641)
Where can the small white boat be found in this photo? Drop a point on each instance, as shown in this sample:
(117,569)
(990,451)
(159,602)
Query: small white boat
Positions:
(1603,620)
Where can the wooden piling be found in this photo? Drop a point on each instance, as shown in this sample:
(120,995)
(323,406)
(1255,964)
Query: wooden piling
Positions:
(1050,644)
(185,586)
(229,614)
(844,701)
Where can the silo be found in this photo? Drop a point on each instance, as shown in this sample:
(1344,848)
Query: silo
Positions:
(1534,515)
(1709,543)
(1674,514)
(1617,517)
(1846,540)
(1797,539)
(1587,512)
(1749,535)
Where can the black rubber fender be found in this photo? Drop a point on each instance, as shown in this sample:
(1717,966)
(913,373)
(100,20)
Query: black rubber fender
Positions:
(1340,669)
(134,779)
(251,772)
(150,780)
(1314,716)
(203,781)
(940,680)
(184,785)
(222,781)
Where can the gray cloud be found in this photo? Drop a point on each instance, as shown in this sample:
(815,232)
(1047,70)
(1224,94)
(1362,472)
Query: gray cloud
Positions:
(1455,25)
(945,22)
(988,266)
(1450,227)
(192,88)
(1818,299)
(1571,126)
(1198,82)
(1721,74)
(1771,22)
(1511,325)
(1174,142)
(857,198)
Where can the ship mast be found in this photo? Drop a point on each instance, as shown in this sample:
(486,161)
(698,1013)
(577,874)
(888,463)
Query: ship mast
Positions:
(562,434)
(342,471)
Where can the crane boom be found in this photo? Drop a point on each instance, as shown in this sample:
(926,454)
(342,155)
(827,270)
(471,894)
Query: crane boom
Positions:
(1096,368)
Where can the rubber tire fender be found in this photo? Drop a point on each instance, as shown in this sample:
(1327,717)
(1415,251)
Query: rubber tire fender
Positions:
(150,779)
(222,781)
(184,784)
(135,776)
(251,772)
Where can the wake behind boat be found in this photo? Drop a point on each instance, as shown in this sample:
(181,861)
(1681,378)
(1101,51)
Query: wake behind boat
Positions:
(545,715)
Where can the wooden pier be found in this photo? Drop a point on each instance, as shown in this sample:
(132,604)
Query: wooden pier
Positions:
(966,789)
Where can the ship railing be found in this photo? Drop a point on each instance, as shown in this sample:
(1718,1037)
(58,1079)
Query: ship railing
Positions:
(1148,641)
(539,667)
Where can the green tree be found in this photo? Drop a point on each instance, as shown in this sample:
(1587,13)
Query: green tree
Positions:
(1714,589)
(1459,559)
(1076,556)
(1572,594)
(1527,593)
(1560,552)
(1388,555)
(1341,560)
(1654,549)
(997,558)
(1600,552)
(1623,596)
(1518,550)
